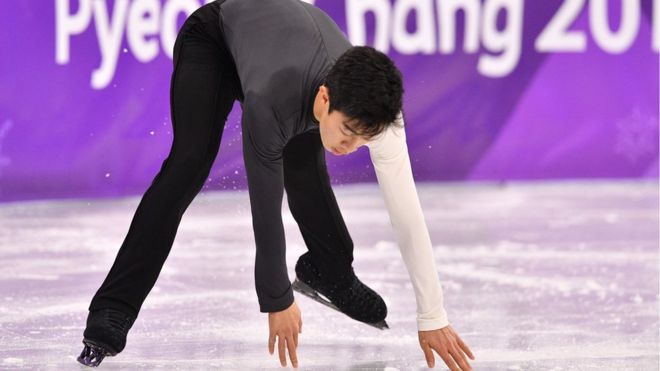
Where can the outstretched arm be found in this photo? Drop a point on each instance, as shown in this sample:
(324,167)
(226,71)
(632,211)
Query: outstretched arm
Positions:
(262,154)
(266,188)
(389,155)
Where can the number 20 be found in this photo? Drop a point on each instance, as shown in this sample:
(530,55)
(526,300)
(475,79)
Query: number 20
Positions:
(557,38)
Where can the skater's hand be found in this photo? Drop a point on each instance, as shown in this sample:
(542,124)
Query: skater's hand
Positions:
(448,345)
(286,325)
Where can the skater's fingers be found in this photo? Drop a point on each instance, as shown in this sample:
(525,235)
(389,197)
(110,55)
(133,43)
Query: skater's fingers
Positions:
(460,358)
(292,350)
(271,343)
(464,346)
(280,345)
(300,327)
(446,357)
(428,354)
(295,338)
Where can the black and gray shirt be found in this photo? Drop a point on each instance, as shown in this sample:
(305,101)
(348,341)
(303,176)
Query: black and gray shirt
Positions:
(282,50)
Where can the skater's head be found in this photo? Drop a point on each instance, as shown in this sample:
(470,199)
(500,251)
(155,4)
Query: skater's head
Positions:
(360,97)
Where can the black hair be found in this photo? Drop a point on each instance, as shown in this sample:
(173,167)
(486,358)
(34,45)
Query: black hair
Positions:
(365,85)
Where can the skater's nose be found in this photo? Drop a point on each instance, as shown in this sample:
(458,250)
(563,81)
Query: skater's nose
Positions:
(346,149)
(350,144)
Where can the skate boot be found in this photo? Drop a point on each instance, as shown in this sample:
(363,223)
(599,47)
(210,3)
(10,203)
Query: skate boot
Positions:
(105,335)
(344,293)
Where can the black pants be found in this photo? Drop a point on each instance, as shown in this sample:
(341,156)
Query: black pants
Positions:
(204,86)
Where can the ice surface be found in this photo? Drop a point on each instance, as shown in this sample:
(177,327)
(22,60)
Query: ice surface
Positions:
(536,276)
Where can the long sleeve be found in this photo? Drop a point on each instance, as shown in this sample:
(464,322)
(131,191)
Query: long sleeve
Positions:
(263,163)
(389,155)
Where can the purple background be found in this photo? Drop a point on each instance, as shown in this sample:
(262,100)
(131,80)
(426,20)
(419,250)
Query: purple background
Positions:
(590,114)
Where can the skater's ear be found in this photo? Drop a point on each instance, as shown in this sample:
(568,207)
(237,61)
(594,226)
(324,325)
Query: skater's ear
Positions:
(325,94)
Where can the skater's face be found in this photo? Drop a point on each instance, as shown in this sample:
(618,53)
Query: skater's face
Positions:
(337,133)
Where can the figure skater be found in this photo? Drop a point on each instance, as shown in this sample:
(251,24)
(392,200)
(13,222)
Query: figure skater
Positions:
(303,89)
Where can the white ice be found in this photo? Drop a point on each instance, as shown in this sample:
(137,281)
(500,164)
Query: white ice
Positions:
(536,276)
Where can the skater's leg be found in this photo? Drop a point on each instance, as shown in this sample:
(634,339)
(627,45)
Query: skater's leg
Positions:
(314,207)
(313,204)
(202,93)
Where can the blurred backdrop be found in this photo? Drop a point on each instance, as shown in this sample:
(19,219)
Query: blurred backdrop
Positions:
(494,90)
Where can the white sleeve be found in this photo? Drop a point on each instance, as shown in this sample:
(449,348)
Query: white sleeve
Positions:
(389,155)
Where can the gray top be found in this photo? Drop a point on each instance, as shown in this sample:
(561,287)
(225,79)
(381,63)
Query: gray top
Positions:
(282,50)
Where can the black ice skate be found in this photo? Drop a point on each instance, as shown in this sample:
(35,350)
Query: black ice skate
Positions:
(105,335)
(346,294)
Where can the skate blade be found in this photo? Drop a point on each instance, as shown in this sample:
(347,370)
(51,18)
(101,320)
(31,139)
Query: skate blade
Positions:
(382,325)
(93,353)
(306,290)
